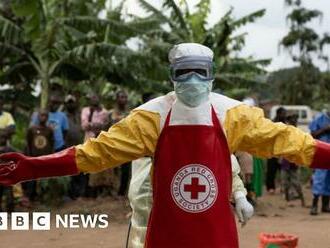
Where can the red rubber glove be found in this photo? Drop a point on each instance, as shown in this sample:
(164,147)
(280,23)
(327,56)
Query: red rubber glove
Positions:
(16,167)
(321,158)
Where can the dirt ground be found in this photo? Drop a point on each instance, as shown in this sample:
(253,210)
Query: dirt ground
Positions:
(272,215)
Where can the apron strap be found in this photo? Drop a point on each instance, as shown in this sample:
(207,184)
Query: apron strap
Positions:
(215,120)
(168,118)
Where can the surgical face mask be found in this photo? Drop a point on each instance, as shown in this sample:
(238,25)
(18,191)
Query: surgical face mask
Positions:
(194,91)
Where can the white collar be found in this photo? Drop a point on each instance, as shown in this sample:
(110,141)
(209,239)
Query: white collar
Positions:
(185,115)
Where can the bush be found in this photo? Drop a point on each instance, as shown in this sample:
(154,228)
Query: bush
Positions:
(53,191)
(19,139)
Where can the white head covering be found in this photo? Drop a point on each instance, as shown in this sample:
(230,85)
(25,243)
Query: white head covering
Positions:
(189,50)
(249,101)
(70,98)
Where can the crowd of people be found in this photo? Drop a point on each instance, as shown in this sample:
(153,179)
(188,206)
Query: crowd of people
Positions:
(64,124)
(290,180)
(192,137)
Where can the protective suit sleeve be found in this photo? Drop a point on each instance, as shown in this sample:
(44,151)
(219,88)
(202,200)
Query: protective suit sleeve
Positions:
(248,130)
(237,183)
(133,137)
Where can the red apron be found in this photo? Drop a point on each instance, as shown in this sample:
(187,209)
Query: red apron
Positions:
(191,189)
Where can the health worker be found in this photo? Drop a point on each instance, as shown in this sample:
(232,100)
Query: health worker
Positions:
(190,133)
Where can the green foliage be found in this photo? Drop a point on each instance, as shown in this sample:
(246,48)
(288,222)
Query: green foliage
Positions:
(301,16)
(300,35)
(293,2)
(177,16)
(33,14)
(291,86)
(186,26)
(53,191)
(303,44)
(18,140)
(66,40)
(56,34)
(9,31)
(198,19)
(325,42)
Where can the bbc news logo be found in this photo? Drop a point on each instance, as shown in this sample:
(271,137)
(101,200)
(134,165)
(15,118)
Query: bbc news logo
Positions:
(42,221)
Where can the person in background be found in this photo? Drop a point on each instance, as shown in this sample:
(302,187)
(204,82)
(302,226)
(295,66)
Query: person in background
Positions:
(7,123)
(119,112)
(40,137)
(40,141)
(273,164)
(320,129)
(8,128)
(57,120)
(289,172)
(78,183)
(74,134)
(6,191)
(94,119)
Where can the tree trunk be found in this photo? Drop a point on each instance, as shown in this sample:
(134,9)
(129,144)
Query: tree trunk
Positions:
(44,91)
(45,77)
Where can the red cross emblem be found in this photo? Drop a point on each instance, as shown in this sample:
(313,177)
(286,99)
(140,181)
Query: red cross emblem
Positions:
(194,188)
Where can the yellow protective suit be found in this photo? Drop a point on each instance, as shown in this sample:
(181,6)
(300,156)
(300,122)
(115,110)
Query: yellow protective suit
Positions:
(245,127)
(140,197)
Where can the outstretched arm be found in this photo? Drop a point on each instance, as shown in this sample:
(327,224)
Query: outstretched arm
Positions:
(133,137)
(248,130)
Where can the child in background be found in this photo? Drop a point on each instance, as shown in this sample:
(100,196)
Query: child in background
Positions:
(289,172)
(40,137)
(6,191)
(40,141)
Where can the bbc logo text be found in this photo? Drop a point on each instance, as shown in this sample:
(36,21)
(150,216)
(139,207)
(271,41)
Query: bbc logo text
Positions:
(42,221)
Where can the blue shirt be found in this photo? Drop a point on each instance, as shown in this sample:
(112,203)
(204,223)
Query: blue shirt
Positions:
(318,123)
(58,121)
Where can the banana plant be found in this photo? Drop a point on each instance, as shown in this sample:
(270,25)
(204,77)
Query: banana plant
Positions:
(30,39)
(52,42)
(179,24)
